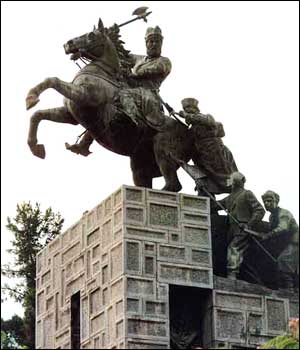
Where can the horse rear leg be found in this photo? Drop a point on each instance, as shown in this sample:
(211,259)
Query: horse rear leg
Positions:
(59,115)
(167,166)
(168,170)
(142,179)
(69,90)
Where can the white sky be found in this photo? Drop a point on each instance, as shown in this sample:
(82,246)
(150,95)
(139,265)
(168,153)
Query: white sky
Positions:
(239,59)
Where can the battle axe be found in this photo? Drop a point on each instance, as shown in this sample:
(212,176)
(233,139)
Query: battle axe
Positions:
(140,12)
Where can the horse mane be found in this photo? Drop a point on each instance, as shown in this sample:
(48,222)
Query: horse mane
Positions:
(125,58)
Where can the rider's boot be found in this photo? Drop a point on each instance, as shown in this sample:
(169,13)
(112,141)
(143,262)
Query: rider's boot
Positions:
(83,146)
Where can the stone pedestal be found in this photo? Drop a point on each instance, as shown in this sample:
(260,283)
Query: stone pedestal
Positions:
(122,256)
(242,315)
(106,281)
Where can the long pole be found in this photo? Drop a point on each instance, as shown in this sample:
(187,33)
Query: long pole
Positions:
(251,232)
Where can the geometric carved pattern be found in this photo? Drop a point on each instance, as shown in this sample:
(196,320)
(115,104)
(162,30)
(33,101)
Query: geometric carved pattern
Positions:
(244,320)
(122,255)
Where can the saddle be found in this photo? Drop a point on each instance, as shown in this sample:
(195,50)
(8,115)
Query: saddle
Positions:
(141,106)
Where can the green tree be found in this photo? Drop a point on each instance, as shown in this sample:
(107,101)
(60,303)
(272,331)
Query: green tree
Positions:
(285,341)
(15,327)
(32,230)
(281,342)
(7,342)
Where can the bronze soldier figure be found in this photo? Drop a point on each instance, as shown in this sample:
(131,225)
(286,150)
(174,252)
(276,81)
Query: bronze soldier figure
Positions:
(246,209)
(210,154)
(148,73)
(283,227)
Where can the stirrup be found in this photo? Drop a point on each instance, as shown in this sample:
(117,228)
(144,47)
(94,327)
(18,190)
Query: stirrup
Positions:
(78,149)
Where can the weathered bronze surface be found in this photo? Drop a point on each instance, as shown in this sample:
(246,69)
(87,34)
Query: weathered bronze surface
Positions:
(115,98)
(209,153)
(246,209)
(283,229)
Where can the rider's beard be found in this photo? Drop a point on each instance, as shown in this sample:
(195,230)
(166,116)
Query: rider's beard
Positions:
(154,51)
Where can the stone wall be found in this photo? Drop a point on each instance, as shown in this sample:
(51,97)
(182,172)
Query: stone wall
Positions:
(243,315)
(122,256)
(125,256)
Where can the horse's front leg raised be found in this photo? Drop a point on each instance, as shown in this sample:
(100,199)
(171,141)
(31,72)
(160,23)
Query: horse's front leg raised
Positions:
(69,90)
(59,115)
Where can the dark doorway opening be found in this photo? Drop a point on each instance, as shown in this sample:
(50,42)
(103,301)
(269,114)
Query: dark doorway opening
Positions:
(75,321)
(190,316)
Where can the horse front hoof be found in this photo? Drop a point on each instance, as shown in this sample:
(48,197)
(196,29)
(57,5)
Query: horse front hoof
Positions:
(31,101)
(39,151)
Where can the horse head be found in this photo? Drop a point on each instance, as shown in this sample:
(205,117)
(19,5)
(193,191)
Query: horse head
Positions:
(95,46)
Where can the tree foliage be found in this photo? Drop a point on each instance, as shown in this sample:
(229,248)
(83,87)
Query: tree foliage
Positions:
(286,341)
(14,327)
(32,230)
(281,342)
(9,342)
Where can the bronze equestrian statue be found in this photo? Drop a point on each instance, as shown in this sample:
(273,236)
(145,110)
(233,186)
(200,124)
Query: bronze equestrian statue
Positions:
(120,112)
(95,100)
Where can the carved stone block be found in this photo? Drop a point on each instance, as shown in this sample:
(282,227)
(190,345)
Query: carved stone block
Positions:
(238,301)
(95,301)
(162,196)
(139,286)
(171,253)
(146,234)
(48,331)
(133,305)
(294,309)
(121,257)
(192,203)
(196,235)
(116,261)
(230,325)
(124,257)
(163,215)
(184,275)
(146,328)
(85,329)
(135,194)
(276,315)
(133,257)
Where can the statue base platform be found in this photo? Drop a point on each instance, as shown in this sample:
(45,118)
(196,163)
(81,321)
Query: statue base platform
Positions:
(136,272)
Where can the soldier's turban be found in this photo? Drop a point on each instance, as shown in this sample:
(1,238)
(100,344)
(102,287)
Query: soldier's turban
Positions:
(189,101)
(271,194)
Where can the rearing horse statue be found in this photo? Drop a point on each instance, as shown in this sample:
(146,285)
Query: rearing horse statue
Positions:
(90,100)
